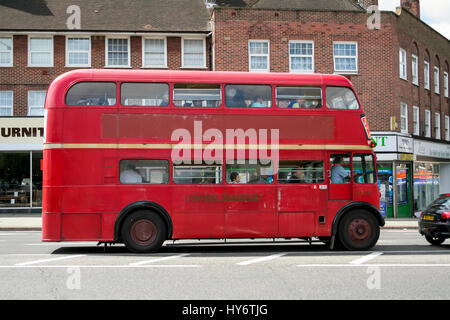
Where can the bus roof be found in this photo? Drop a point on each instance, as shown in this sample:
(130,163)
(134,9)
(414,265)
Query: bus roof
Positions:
(67,79)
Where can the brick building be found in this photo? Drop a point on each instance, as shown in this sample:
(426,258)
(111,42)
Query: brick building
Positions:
(387,64)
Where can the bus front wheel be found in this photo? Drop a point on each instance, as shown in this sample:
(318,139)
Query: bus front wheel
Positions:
(359,230)
(143,231)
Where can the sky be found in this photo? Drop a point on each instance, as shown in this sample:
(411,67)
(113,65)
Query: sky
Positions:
(435,13)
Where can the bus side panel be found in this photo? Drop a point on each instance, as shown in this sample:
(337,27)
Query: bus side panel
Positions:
(51,226)
(80,226)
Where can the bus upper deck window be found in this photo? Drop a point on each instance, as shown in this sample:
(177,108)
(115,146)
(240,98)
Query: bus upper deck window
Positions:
(341,98)
(92,94)
(197,95)
(299,97)
(251,96)
(144,94)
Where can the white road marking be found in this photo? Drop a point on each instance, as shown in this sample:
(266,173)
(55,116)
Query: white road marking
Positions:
(48,260)
(158,259)
(61,244)
(369,257)
(271,257)
(410,265)
(103,266)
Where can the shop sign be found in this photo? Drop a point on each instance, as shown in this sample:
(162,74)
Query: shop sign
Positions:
(21,133)
(431,149)
(394,143)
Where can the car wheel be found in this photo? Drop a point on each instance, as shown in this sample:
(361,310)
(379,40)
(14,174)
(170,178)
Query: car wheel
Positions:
(143,231)
(358,230)
(436,240)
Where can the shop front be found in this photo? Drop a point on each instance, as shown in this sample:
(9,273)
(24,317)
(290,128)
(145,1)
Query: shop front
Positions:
(21,145)
(431,172)
(395,173)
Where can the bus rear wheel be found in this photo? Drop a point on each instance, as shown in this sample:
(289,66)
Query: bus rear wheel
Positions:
(143,232)
(359,230)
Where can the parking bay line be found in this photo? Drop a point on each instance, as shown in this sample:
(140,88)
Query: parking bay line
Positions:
(261,259)
(393,265)
(48,260)
(366,258)
(140,263)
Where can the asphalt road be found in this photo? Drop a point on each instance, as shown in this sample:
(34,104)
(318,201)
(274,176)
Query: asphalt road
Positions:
(402,266)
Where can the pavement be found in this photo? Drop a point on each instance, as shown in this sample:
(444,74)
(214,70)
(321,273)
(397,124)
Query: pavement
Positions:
(33,222)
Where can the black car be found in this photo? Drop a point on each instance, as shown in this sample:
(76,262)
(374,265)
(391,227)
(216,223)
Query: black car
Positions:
(434,221)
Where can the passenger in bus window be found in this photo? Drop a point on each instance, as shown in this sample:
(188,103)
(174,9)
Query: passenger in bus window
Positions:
(350,100)
(297,176)
(130,175)
(235,178)
(258,102)
(235,98)
(165,101)
(197,103)
(296,104)
(338,173)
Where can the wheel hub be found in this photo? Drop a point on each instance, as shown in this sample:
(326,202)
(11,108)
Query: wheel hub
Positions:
(143,232)
(359,230)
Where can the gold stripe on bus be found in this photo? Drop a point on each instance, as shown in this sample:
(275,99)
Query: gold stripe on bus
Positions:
(49,146)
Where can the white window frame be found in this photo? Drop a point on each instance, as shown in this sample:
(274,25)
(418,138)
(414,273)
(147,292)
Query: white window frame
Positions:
(427,123)
(11,54)
(447,128)
(11,107)
(446,84)
(301,56)
(416,121)
(403,116)
(403,64)
(144,64)
(203,65)
(437,84)
(415,69)
(51,51)
(88,52)
(259,55)
(107,65)
(356,58)
(437,127)
(35,107)
(426,74)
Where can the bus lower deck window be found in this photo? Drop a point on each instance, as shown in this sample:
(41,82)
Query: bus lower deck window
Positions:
(138,171)
(301,171)
(197,174)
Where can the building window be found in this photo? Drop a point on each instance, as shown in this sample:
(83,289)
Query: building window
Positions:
(194,53)
(40,51)
(6,103)
(446,84)
(416,126)
(415,69)
(447,128)
(78,52)
(436,80)
(6,52)
(118,52)
(437,120)
(404,117)
(426,75)
(259,55)
(402,62)
(345,57)
(427,123)
(154,53)
(301,56)
(36,101)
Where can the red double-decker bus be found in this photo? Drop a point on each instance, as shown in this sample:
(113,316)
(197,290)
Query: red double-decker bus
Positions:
(140,157)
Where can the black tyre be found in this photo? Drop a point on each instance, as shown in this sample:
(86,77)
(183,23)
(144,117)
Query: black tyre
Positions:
(143,231)
(436,240)
(358,230)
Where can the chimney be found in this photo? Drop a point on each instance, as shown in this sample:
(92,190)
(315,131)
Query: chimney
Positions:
(412,6)
(368,3)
